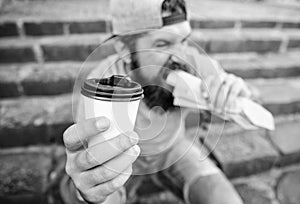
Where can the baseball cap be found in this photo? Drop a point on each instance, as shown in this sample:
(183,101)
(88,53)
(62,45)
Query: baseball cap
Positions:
(137,15)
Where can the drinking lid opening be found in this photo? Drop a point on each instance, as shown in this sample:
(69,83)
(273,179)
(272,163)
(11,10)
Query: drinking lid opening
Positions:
(116,87)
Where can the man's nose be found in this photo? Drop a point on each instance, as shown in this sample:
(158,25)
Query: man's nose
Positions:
(178,53)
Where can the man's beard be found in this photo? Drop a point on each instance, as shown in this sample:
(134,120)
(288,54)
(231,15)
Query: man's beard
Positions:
(155,95)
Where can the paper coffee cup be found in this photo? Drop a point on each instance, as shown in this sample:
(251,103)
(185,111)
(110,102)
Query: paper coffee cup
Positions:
(116,98)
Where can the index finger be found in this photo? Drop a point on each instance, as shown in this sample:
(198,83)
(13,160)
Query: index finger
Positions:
(77,134)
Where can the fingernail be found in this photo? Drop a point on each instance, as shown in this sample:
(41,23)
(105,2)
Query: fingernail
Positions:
(102,123)
(136,149)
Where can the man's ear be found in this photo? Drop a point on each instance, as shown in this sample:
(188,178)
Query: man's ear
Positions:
(123,51)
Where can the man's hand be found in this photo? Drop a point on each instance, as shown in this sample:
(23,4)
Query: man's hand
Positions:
(98,171)
(224,90)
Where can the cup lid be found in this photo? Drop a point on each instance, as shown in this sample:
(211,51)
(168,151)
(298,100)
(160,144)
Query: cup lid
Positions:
(114,88)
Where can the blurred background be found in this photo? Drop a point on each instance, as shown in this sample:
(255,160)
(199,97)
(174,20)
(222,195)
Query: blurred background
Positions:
(44,42)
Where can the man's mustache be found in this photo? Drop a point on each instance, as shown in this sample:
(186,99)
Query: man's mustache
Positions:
(173,65)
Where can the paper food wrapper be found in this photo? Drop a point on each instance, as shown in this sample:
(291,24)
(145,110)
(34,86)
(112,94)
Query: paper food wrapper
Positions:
(246,113)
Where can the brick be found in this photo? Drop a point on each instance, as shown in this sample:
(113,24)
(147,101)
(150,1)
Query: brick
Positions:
(24,199)
(39,79)
(88,27)
(252,194)
(290,25)
(243,45)
(230,45)
(286,135)
(50,79)
(24,171)
(258,24)
(16,54)
(9,82)
(288,190)
(258,188)
(43,28)
(245,40)
(72,52)
(240,152)
(56,48)
(8,29)
(253,45)
(285,138)
(294,43)
(280,96)
(39,120)
(76,51)
(212,24)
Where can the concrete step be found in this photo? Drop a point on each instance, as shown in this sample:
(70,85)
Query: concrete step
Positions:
(35,121)
(28,172)
(242,153)
(253,65)
(42,119)
(25,174)
(62,17)
(275,186)
(52,78)
(34,27)
(58,48)
(38,79)
(280,96)
(79,47)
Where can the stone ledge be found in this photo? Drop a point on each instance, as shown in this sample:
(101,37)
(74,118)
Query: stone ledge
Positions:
(42,119)
(264,187)
(243,153)
(250,65)
(78,47)
(279,95)
(288,146)
(207,11)
(31,121)
(43,28)
(8,29)
(24,171)
(240,152)
(41,79)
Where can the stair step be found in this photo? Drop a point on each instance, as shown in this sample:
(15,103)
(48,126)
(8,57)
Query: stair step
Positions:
(274,186)
(34,120)
(35,27)
(42,119)
(39,79)
(280,96)
(56,48)
(79,47)
(61,17)
(243,153)
(246,40)
(58,77)
(25,174)
(252,65)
